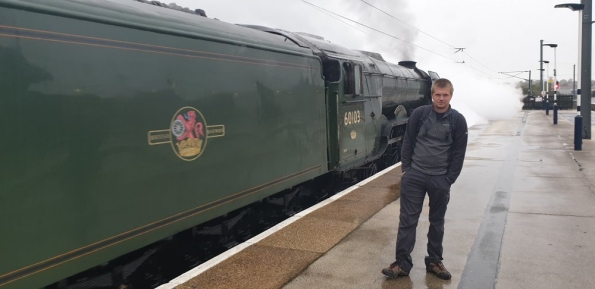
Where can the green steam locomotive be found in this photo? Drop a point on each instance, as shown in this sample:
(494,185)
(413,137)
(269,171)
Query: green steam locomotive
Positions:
(125,123)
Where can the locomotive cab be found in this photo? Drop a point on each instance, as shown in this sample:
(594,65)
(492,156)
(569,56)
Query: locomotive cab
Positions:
(368,101)
(354,112)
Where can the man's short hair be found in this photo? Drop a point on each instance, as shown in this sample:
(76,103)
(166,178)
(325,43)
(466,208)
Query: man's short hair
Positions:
(442,82)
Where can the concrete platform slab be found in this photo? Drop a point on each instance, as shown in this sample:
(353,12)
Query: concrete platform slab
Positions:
(546,157)
(545,251)
(541,184)
(576,203)
(531,169)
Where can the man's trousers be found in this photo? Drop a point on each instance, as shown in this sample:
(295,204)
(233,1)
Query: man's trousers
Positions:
(414,185)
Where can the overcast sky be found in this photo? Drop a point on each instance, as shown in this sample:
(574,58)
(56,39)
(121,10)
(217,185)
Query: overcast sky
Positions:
(497,36)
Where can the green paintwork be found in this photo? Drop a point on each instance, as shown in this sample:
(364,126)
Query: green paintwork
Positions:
(359,123)
(351,132)
(332,100)
(76,109)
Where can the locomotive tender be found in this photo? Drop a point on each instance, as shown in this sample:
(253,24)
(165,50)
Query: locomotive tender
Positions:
(125,123)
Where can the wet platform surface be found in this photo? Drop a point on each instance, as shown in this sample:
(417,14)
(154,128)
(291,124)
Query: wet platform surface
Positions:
(521,215)
(570,114)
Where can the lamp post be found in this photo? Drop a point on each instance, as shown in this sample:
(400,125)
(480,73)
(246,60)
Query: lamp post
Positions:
(541,70)
(578,101)
(547,75)
(554,47)
(547,103)
(541,45)
(585,66)
(555,83)
(546,88)
(541,83)
(541,64)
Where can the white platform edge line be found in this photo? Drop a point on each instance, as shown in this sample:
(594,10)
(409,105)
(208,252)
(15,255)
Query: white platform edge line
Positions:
(223,256)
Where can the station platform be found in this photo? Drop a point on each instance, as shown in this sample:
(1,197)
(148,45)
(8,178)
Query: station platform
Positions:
(521,215)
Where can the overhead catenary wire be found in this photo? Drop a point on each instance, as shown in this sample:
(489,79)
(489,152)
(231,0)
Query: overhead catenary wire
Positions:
(469,66)
(510,75)
(398,38)
(443,42)
(406,23)
(354,27)
(374,29)
(479,62)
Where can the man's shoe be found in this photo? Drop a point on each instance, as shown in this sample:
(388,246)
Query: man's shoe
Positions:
(438,269)
(394,270)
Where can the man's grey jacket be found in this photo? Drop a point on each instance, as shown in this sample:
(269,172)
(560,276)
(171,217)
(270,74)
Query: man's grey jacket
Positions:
(436,149)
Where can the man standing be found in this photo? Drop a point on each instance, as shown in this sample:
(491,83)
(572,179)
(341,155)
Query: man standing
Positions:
(432,158)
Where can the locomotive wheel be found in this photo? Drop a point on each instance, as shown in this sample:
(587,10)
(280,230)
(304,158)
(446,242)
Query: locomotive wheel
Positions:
(369,171)
(393,155)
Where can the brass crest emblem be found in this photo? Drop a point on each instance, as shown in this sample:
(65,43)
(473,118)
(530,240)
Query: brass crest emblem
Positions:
(188,133)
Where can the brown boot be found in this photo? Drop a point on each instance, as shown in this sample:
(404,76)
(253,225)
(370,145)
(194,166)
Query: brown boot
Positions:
(394,270)
(438,269)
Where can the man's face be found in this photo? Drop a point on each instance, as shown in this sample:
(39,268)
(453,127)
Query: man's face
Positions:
(441,98)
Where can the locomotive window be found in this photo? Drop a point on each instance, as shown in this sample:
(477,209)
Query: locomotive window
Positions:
(348,79)
(374,84)
(331,71)
(352,79)
(358,80)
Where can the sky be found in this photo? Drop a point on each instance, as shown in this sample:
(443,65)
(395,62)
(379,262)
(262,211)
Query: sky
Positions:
(497,36)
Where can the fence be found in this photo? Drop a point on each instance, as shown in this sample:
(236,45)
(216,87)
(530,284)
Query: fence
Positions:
(563,101)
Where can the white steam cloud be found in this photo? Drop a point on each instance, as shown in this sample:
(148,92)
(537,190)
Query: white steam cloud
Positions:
(396,33)
(481,99)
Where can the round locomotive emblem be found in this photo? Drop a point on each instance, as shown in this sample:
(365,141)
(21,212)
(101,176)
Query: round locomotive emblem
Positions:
(188,129)
(177,128)
(353,134)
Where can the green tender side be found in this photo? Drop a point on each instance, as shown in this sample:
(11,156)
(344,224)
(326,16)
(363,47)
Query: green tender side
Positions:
(89,166)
